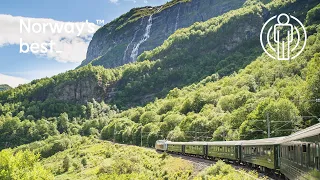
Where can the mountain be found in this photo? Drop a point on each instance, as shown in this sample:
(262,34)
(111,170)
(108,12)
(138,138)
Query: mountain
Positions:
(124,39)
(4,87)
(191,54)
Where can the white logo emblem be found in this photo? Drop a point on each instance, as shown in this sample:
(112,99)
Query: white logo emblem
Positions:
(281,35)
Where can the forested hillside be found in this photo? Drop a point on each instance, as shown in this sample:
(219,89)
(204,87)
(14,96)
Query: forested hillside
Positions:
(210,81)
(4,87)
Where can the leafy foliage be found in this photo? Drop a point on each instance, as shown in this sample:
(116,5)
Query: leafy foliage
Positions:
(89,158)
(222,171)
(23,165)
(4,87)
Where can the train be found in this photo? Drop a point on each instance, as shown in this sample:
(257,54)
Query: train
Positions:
(294,157)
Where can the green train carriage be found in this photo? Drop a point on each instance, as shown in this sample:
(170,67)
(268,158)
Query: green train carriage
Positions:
(229,150)
(175,147)
(195,148)
(300,153)
(262,152)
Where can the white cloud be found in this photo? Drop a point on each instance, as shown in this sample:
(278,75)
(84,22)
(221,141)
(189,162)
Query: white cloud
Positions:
(72,44)
(12,81)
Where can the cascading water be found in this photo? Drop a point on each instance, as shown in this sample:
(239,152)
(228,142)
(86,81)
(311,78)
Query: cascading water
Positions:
(134,53)
(125,52)
(177,19)
(131,42)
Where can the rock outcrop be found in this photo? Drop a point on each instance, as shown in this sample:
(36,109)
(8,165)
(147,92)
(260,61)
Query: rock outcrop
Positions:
(124,39)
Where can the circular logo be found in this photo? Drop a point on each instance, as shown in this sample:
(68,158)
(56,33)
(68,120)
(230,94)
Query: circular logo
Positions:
(281,37)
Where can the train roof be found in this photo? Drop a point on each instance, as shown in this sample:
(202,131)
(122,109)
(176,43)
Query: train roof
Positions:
(268,141)
(175,143)
(308,132)
(225,143)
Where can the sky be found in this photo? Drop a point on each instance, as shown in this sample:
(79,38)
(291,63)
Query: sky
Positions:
(43,38)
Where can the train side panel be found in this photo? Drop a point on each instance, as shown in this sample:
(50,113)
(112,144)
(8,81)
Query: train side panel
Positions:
(195,149)
(224,152)
(299,159)
(178,148)
(265,156)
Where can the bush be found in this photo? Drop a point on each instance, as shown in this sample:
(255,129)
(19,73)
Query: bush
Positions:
(22,165)
(66,164)
(84,162)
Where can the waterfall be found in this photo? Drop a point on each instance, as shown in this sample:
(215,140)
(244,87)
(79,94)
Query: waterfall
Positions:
(177,19)
(145,37)
(125,52)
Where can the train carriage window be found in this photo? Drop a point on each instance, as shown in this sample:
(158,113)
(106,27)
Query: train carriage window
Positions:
(304,148)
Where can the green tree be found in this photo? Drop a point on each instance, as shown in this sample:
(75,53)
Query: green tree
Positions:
(23,165)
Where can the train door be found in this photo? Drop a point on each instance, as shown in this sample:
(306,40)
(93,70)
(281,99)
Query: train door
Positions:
(276,156)
(205,151)
(317,156)
(304,155)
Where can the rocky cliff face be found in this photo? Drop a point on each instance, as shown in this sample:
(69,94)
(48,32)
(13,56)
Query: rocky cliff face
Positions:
(115,44)
(82,91)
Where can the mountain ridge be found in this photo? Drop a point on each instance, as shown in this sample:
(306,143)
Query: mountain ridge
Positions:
(114,45)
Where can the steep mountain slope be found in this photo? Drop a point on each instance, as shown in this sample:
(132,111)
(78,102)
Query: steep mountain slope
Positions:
(124,39)
(146,80)
(229,108)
